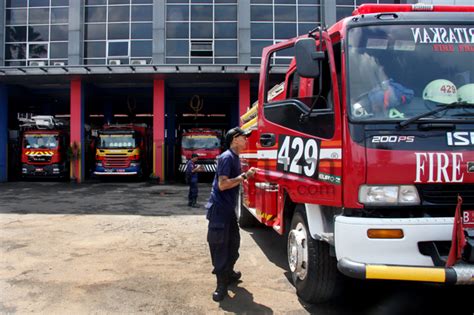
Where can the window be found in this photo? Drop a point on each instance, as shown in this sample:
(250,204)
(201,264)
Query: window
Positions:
(117,30)
(36,31)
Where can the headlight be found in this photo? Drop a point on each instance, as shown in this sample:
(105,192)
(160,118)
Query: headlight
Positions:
(389,195)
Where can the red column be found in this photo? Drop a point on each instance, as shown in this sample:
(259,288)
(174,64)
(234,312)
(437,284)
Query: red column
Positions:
(77,131)
(159,128)
(244,96)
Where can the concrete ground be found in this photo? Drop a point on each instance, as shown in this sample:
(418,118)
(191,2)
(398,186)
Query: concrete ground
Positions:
(137,248)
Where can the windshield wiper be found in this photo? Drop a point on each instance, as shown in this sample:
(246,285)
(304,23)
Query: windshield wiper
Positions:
(435,111)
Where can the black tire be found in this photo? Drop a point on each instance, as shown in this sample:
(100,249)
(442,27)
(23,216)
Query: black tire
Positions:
(314,274)
(244,217)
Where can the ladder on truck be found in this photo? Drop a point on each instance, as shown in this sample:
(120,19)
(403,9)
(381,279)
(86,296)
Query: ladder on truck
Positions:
(41,122)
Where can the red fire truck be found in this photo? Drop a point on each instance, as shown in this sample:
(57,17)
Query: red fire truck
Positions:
(122,150)
(206,143)
(44,147)
(368,156)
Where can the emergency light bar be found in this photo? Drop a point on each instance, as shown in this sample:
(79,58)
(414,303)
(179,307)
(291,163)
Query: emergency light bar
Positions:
(419,7)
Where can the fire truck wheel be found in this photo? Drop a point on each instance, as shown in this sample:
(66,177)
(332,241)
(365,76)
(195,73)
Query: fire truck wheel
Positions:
(313,270)
(245,218)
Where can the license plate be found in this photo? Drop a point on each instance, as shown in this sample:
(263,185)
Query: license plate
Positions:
(468,219)
(39,170)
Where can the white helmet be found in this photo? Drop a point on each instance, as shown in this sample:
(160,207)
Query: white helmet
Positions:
(466,93)
(440,91)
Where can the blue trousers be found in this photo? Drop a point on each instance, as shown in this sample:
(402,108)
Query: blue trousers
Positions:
(193,191)
(224,244)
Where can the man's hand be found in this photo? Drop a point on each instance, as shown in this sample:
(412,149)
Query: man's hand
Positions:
(251,172)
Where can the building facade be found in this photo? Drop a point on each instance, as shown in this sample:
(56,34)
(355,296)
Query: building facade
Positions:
(151,61)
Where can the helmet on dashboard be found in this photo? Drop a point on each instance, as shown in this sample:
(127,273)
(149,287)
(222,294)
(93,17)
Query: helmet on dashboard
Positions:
(466,93)
(440,91)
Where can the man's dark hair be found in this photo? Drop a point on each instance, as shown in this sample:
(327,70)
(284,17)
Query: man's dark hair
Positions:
(194,155)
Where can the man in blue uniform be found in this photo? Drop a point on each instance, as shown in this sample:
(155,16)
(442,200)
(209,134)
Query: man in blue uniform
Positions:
(223,231)
(191,174)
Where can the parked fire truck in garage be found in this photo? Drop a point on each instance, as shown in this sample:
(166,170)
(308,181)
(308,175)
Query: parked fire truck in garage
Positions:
(368,157)
(204,142)
(44,143)
(122,150)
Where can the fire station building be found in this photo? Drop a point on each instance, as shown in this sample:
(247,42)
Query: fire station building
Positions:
(170,64)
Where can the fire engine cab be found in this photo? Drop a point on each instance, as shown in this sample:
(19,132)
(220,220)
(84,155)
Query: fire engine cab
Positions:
(366,161)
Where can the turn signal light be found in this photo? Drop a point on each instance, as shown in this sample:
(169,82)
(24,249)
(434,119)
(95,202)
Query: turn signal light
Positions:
(385,233)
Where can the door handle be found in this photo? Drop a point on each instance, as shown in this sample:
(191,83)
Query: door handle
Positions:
(267,139)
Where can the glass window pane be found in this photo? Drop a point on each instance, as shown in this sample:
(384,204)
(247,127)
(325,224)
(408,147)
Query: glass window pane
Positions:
(308,1)
(142,30)
(38,33)
(225,1)
(141,49)
(119,14)
(304,28)
(39,51)
(59,15)
(226,13)
(342,12)
(226,30)
(177,1)
(58,3)
(119,1)
(39,3)
(201,13)
(177,13)
(95,31)
(15,34)
(261,13)
(15,51)
(95,14)
(92,2)
(284,31)
(285,1)
(117,49)
(177,61)
(94,49)
(58,50)
(257,46)
(15,63)
(16,3)
(119,31)
(225,61)
(201,1)
(38,16)
(177,30)
(225,47)
(59,32)
(261,31)
(345,2)
(285,13)
(177,48)
(142,1)
(308,14)
(16,16)
(201,30)
(142,13)
(201,60)
(260,1)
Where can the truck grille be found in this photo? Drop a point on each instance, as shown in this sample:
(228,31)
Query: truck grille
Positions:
(446,194)
(116,161)
(39,158)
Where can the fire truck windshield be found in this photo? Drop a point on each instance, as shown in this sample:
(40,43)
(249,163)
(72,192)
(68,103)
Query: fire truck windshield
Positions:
(116,141)
(200,142)
(396,72)
(40,141)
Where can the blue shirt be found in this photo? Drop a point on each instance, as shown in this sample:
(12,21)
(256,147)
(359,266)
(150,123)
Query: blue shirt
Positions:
(221,205)
(192,177)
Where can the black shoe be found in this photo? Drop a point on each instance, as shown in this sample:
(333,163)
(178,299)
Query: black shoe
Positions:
(220,293)
(234,276)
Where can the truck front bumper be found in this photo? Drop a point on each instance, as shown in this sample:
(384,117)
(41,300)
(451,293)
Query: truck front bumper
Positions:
(402,258)
(43,171)
(208,168)
(458,274)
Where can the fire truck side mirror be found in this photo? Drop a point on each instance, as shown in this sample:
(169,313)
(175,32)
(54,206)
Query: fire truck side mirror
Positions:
(307,58)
